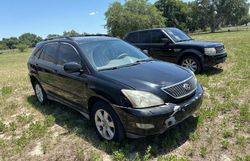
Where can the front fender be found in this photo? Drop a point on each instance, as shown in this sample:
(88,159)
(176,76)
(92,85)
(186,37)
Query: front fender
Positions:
(187,52)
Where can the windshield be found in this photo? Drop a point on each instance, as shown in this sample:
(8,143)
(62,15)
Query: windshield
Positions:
(177,35)
(112,54)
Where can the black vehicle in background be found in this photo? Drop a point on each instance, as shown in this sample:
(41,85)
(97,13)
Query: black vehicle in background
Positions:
(119,88)
(173,45)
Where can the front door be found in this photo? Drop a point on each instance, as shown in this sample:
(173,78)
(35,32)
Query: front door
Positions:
(159,49)
(72,85)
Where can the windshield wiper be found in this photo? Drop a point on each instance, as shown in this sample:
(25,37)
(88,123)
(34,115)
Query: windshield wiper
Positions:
(128,65)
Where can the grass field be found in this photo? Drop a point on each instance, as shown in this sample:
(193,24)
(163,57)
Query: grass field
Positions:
(220,130)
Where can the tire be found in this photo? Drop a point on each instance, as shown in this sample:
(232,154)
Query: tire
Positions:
(192,63)
(109,127)
(40,94)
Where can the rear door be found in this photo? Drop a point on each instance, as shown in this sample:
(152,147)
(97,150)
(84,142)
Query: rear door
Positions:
(46,67)
(71,85)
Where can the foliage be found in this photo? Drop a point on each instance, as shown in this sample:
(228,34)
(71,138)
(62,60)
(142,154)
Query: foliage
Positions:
(245,20)
(10,42)
(21,47)
(175,11)
(29,39)
(213,13)
(132,15)
(52,36)
(70,33)
(3,46)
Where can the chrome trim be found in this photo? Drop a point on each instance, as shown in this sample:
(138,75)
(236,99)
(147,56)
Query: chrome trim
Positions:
(163,88)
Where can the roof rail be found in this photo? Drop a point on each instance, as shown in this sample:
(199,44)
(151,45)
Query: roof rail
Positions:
(59,37)
(71,37)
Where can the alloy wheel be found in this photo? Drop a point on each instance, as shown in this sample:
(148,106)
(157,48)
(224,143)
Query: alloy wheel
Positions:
(190,63)
(104,124)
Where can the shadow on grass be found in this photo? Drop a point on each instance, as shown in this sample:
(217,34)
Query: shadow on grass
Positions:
(212,71)
(74,122)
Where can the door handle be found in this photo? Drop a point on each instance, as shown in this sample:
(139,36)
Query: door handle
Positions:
(55,71)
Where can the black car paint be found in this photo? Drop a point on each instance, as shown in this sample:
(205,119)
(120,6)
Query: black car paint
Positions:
(78,90)
(175,51)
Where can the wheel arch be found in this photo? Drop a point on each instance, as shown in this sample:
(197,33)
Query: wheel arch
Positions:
(191,52)
(33,79)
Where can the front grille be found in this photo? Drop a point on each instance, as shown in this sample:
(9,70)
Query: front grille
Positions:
(220,49)
(181,89)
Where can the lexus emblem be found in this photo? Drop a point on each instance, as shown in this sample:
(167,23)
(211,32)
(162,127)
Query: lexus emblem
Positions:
(186,86)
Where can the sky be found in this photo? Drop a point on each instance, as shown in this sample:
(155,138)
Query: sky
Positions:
(43,17)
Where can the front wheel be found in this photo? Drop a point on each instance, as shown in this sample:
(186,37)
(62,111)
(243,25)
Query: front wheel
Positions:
(107,124)
(191,63)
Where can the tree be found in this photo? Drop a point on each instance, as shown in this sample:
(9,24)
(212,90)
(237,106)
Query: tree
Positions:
(216,12)
(21,47)
(132,15)
(50,36)
(3,46)
(29,39)
(10,42)
(176,13)
(70,33)
(245,20)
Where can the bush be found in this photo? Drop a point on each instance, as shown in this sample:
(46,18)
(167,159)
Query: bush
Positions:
(21,47)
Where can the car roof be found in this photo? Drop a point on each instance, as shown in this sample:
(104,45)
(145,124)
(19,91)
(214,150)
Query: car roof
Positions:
(78,40)
(152,29)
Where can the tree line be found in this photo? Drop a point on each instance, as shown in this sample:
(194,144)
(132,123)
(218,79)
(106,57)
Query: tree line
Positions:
(29,40)
(188,16)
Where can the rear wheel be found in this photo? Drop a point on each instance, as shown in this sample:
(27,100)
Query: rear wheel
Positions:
(191,63)
(107,124)
(40,94)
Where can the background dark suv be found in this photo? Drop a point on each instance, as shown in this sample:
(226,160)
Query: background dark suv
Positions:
(173,45)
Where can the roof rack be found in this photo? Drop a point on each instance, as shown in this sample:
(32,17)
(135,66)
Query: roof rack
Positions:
(59,37)
(71,37)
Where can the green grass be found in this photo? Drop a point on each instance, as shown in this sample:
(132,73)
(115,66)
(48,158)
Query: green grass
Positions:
(30,131)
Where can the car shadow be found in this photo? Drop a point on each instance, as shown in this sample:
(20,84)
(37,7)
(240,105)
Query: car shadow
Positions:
(209,71)
(74,122)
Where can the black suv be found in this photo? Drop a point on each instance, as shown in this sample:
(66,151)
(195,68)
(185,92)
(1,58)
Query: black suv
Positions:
(173,45)
(119,88)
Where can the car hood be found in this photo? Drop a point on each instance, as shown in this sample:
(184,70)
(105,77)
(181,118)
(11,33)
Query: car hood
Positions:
(148,75)
(200,43)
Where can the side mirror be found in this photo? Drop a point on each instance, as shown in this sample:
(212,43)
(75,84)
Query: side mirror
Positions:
(145,52)
(72,67)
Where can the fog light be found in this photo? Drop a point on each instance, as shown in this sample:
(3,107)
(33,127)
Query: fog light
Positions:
(145,126)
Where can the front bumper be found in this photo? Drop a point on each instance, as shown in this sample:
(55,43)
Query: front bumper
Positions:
(214,60)
(161,117)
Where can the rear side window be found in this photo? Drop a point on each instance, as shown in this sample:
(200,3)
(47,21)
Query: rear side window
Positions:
(50,53)
(132,37)
(67,53)
(144,37)
(156,36)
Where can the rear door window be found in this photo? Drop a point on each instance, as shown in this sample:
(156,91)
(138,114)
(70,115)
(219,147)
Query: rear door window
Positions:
(132,37)
(49,53)
(144,37)
(67,53)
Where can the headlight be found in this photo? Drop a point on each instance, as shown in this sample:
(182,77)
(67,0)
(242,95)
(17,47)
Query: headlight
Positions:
(142,99)
(210,51)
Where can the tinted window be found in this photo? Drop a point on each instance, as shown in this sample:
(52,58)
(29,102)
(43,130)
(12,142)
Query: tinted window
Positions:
(132,37)
(67,54)
(156,36)
(49,53)
(144,37)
